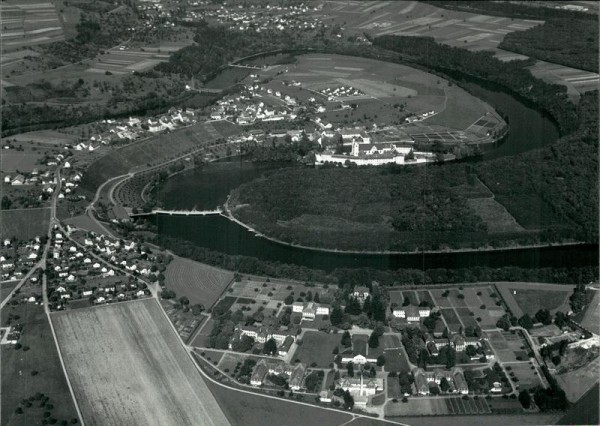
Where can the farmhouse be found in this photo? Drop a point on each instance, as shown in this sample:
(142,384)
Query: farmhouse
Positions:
(310,310)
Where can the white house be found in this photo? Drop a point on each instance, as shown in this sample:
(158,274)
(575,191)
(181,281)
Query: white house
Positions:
(310,310)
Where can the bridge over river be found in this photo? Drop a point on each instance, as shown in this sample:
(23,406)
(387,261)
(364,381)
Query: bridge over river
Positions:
(192,212)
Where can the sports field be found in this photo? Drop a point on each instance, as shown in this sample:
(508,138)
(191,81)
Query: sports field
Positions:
(127,366)
(198,282)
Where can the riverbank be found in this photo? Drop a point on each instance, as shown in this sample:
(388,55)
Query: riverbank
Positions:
(228,214)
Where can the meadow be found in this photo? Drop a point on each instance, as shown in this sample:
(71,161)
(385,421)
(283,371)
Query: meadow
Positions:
(24,224)
(529,298)
(198,282)
(318,348)
(162,387)
(18,381)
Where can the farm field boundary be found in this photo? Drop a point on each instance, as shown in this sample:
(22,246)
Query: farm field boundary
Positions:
(162,387)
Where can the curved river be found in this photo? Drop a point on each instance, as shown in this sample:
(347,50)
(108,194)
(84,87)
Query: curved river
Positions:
(209,186)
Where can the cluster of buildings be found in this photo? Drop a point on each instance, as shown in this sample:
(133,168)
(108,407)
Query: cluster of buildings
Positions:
(259,19)
(14,257)
(76,273)
(135,128)
(333,94)
(459,343)
(425,380)
(284,338)
(294,374)
(361,148)
(310,310)
(251,106)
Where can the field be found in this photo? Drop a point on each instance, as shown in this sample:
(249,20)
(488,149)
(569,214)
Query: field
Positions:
(198,282)
(317,347)
(126,61)
(585,411)
(17,381)
(436,406)
(24,161)
(161,387)
(451,319)
(383,84)
(531,297)
(577,382)
(29,23)
(49,137)
(456,28)
(255,410)
(507,346)
(24,224)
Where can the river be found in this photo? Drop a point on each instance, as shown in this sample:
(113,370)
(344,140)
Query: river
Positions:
(208,187)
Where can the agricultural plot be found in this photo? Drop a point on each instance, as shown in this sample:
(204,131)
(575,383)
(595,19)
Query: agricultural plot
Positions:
(466,318)
(381,85)
(440,301)
(318,348)
(126,61)
(29,23)
(451,319)
(470,406)
(455,300)
(494,215)
(396,297)
(18,382)
(162,387)
(507,346)
(200,283)
(24,161)
(455,28)
(531,297)
(425,296)
(48,137)
(417,407)
(412,296)
(24,224)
